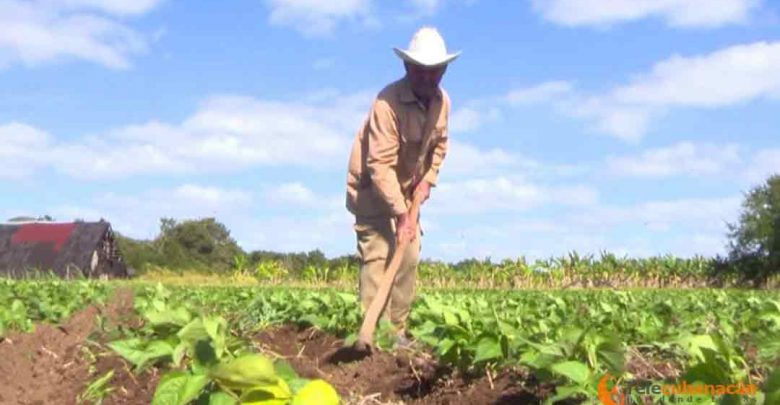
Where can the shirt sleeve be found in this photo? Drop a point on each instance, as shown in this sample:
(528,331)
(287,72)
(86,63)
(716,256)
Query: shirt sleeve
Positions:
(382,159)
(438,154)
(439,149)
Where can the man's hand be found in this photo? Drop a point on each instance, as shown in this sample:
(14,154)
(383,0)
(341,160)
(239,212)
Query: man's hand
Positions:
(405,228)
(424,189)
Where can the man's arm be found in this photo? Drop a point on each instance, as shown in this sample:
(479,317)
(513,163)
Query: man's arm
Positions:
(382,159)
(438,154)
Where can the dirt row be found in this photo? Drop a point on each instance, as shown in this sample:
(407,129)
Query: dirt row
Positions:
(383,377)
(55,363)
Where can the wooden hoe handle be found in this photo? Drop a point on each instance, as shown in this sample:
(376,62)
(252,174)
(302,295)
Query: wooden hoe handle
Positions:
(366,335)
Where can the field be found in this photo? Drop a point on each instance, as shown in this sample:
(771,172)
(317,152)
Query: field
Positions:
(134,342)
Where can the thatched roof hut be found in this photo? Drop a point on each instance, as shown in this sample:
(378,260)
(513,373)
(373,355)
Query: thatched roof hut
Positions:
(68,249)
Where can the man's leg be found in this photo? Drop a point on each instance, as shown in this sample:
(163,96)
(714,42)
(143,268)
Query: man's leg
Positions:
(375,243)
(404,289)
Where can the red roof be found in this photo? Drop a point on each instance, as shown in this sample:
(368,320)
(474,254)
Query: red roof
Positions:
(37,232)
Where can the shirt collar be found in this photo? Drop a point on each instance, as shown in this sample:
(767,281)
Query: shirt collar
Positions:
(407,95)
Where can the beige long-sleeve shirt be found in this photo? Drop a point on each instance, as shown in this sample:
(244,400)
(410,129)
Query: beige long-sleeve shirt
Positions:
(400,143)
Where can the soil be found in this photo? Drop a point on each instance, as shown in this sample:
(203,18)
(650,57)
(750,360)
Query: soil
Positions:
(44,367)
(400,377)
(55,363)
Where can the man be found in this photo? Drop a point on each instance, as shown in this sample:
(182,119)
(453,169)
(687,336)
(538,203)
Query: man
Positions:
(396,154)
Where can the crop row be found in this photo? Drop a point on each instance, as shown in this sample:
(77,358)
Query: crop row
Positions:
(568,338)
(24,303)
(569,271)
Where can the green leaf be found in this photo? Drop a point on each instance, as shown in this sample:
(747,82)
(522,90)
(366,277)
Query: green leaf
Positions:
(574,370)
(138,352)
(157,349)
(166,316)
(449,318)
(772,388)
(178,353)
(247,371)
(262,397)
(216,327)
(444,346)
(317,392)
(730,400)
(613,353)
(97,389)
(278,394)
(710,372)
(205,354)
(488,348)
(193,332)
(221,398)
(192,389)
(694,344)
(179,388)
(564,392)
(130,349)
(285,371)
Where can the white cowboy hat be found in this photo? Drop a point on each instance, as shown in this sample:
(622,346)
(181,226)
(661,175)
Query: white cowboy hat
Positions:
(427,49)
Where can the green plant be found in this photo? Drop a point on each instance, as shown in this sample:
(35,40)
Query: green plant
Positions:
(97,390)
(209,364)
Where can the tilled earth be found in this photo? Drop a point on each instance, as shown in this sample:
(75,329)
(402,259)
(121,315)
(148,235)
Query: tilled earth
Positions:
(55,363)
(382,377)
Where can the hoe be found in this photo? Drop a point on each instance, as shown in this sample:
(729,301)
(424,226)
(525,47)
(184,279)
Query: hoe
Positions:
(365,338)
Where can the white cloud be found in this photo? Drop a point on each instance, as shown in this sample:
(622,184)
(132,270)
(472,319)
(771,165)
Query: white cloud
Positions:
(626,122)
(466,159)
(324,63)
(138,215)
(700,213)
(682,158)
(331,233)
(474,115)
(37,32)
(763,164)
(676,13)
(475,196)
(116,7)
(426,7)
(464,120)
(541,93)
(210,196)
(293,193)
(727,77)
(188,200)
(315,17)
(226,134)
(682,227)
(320,224)
(22,150)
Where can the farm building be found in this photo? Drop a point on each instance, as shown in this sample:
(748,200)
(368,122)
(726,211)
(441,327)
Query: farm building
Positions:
(68,249)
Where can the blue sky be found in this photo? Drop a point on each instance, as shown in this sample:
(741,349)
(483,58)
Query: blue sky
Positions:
(624,125)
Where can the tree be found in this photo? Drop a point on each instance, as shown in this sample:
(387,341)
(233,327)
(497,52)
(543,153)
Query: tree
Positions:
(755,240)
(198,243)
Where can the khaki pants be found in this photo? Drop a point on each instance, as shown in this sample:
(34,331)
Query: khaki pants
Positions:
(375,245)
